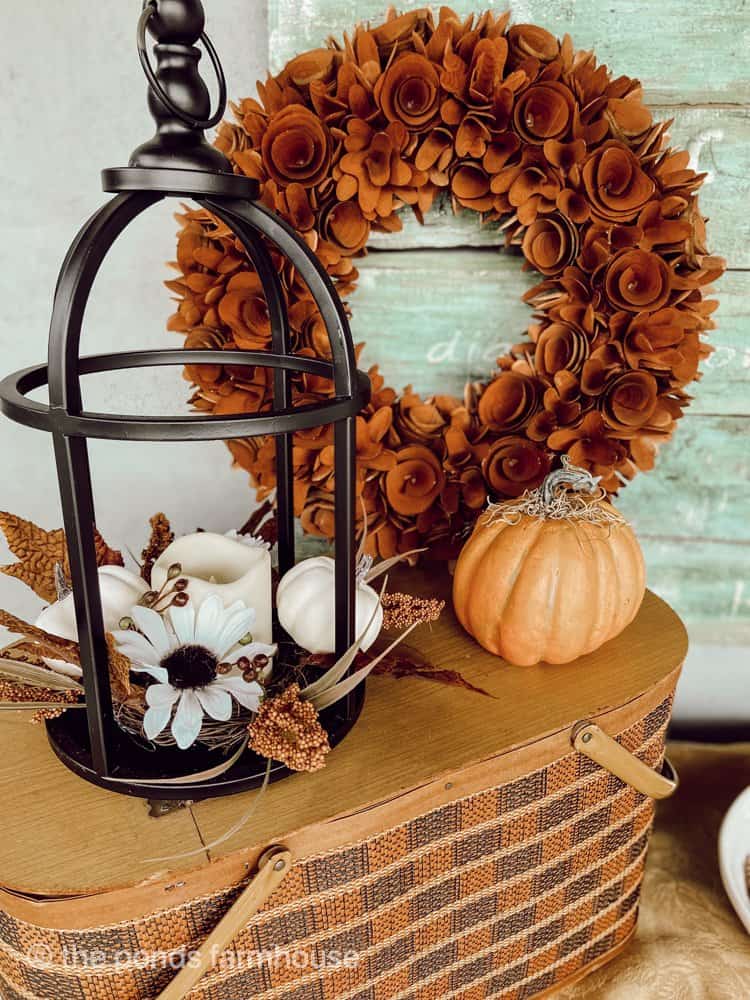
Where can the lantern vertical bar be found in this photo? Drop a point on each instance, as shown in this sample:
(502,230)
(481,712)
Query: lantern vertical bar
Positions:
(345,470)
(74,475)
(262,261)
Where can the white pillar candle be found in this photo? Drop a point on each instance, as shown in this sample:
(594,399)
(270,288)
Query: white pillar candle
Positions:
(216,564)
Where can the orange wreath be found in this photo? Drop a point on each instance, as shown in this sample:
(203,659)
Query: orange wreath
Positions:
(527,132)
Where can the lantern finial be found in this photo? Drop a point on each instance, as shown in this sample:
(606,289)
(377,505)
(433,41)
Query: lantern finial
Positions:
(178,99)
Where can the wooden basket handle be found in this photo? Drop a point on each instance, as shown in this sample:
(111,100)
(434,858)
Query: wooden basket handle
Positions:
(594,743)
(273,867)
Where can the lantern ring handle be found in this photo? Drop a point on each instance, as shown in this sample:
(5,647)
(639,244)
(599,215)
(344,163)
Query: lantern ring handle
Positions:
(198,123)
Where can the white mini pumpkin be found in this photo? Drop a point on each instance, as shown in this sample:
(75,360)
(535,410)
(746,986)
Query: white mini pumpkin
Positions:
(305,601)
(120,590)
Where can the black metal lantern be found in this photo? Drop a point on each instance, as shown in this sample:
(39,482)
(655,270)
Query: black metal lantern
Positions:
(179,162)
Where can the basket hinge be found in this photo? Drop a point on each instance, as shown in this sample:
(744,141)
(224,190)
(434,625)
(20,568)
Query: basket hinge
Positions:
(273,867)
(595,744)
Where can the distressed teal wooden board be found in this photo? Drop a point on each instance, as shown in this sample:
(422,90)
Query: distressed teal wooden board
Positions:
(707,583)
(719,142)
(700,488)
(439,318)
(683,53)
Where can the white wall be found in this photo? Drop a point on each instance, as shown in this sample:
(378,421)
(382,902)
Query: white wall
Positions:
(73,102)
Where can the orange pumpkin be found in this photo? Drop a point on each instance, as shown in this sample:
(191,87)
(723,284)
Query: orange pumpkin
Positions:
(551,576)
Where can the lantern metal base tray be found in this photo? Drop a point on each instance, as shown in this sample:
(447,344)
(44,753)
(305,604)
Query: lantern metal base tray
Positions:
(147,772)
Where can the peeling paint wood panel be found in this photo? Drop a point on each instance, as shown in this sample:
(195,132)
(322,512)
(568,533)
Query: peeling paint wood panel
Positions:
(450,313)
(682,53)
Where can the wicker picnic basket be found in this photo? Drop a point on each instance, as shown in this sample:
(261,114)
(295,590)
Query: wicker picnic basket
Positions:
(504,860)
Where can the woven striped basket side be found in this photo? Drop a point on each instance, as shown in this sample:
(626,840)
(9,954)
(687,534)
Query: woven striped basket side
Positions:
(506,893)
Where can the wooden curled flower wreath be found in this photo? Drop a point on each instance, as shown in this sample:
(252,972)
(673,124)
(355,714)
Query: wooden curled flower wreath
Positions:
(532,135)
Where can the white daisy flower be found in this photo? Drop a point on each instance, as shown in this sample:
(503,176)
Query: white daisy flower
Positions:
(184,654)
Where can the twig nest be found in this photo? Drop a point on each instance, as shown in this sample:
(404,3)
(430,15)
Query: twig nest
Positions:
(306,605)
(550,576)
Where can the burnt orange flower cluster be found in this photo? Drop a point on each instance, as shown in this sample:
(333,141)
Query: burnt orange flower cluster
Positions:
(518,126)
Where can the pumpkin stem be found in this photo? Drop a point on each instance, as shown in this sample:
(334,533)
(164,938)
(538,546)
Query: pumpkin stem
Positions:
(559,498)
(570,476)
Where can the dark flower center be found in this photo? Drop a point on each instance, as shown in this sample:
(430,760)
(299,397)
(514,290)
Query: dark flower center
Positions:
(190,667)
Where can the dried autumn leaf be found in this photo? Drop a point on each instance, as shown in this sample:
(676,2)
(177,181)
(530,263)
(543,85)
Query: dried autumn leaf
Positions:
(404,663)
(38,643)
(105,556)
(63,649)
(407,663)
(39,551)
(119,670)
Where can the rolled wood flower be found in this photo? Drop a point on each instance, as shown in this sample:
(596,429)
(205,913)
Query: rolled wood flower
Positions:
(637,281)
(562,407)
(603,364)
(616,185)
(255,381)
(472,137)
(573,205)
(416,480)
(409,92)
(473,489)
(417,421)
(399,29)
(458,449)
(659,228)
(508,402)
(296,146)
(471,186)
(543,112)
(550,244)
(514,465)
(588,445)
(344,225)
(319,514)
(628,117)
(565,155)
(665,343)
(504,145)
(244,453)
(486,70)
(375,169)
(317,64)
(202,338)
(560,347)
(309,331)
(628,402)
(532,187)
(294,204)
(435,153)
(244,310)
(530,40)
